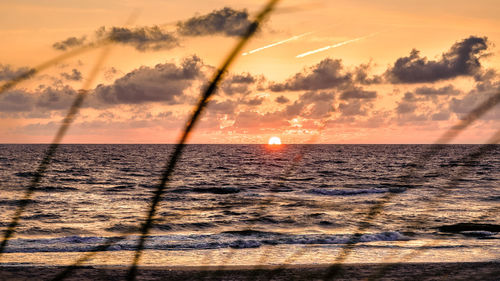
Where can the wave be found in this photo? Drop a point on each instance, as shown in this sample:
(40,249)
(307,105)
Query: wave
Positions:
(213,190)
(55,189)
(341,192)
(462,227)
(240,239)
(15,202)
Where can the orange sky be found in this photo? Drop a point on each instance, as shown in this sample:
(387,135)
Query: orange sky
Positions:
(353,92)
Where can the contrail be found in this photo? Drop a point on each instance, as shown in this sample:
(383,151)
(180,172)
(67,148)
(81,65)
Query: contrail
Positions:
(276,44)
(334,46)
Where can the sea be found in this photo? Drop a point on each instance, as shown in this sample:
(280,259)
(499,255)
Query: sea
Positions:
(254,204)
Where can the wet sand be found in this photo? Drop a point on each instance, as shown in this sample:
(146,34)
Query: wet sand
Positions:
(407,271)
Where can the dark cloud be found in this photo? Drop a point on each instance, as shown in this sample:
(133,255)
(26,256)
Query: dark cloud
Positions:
(255,120)
(110,73)
(410,97)
(56,98)
(142,38)
(485,75)
(406,107)
(229,107)
(282,100)
(256,101)
(75,75)
(415,106)
(16,101)
(353,108)
(224,107)
(319,110)
(163,83)
(318,97)
(238,84)
(45,98)
(461,60)
(426,103)
(361,75)
(9,73)
(465,104)
(69,43)
(328,74)
(443,91)
(245,78)
(311,105)
(225,21)
(441,116)
(435,104)
(358,93)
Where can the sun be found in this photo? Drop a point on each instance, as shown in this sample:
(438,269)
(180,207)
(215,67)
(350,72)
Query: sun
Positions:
(274,141)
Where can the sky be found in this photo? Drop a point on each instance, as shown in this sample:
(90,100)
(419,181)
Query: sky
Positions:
(357,71)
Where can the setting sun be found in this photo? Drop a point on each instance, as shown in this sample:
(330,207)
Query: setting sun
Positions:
(274,141)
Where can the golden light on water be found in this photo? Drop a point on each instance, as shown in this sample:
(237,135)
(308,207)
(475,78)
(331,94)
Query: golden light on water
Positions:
(274,141)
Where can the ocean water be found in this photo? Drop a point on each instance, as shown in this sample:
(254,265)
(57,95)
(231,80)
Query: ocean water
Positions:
(254,204)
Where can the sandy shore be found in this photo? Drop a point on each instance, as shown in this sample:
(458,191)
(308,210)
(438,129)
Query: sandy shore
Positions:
(408,271)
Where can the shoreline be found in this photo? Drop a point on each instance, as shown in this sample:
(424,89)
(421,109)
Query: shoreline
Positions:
(397,271)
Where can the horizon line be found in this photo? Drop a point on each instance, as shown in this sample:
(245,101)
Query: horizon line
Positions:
(48,143)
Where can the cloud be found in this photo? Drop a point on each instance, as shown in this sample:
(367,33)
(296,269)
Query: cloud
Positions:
(406,107)
(312,105)
(45,98)
(224,107)
(486,75)
(9,73)
(226,21)
(417,106)
(255,120)
(68,43)
(441,116)
(256,101)
(410,97)
(146,38)
(353,108)
(436,104)
(461,60)
(56,98)
(358,93)
(230,107)
(142,38)
(16,101)
(328,74)
(465,104)
(238,84)
(361,75)
(163,83)
(75,75)
(110,73)
(282,100)
(443,91)
(425,103)
(318,96)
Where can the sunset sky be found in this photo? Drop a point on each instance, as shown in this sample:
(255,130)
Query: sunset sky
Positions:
(354,71)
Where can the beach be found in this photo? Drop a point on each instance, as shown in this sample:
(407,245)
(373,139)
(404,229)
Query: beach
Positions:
(408,271)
